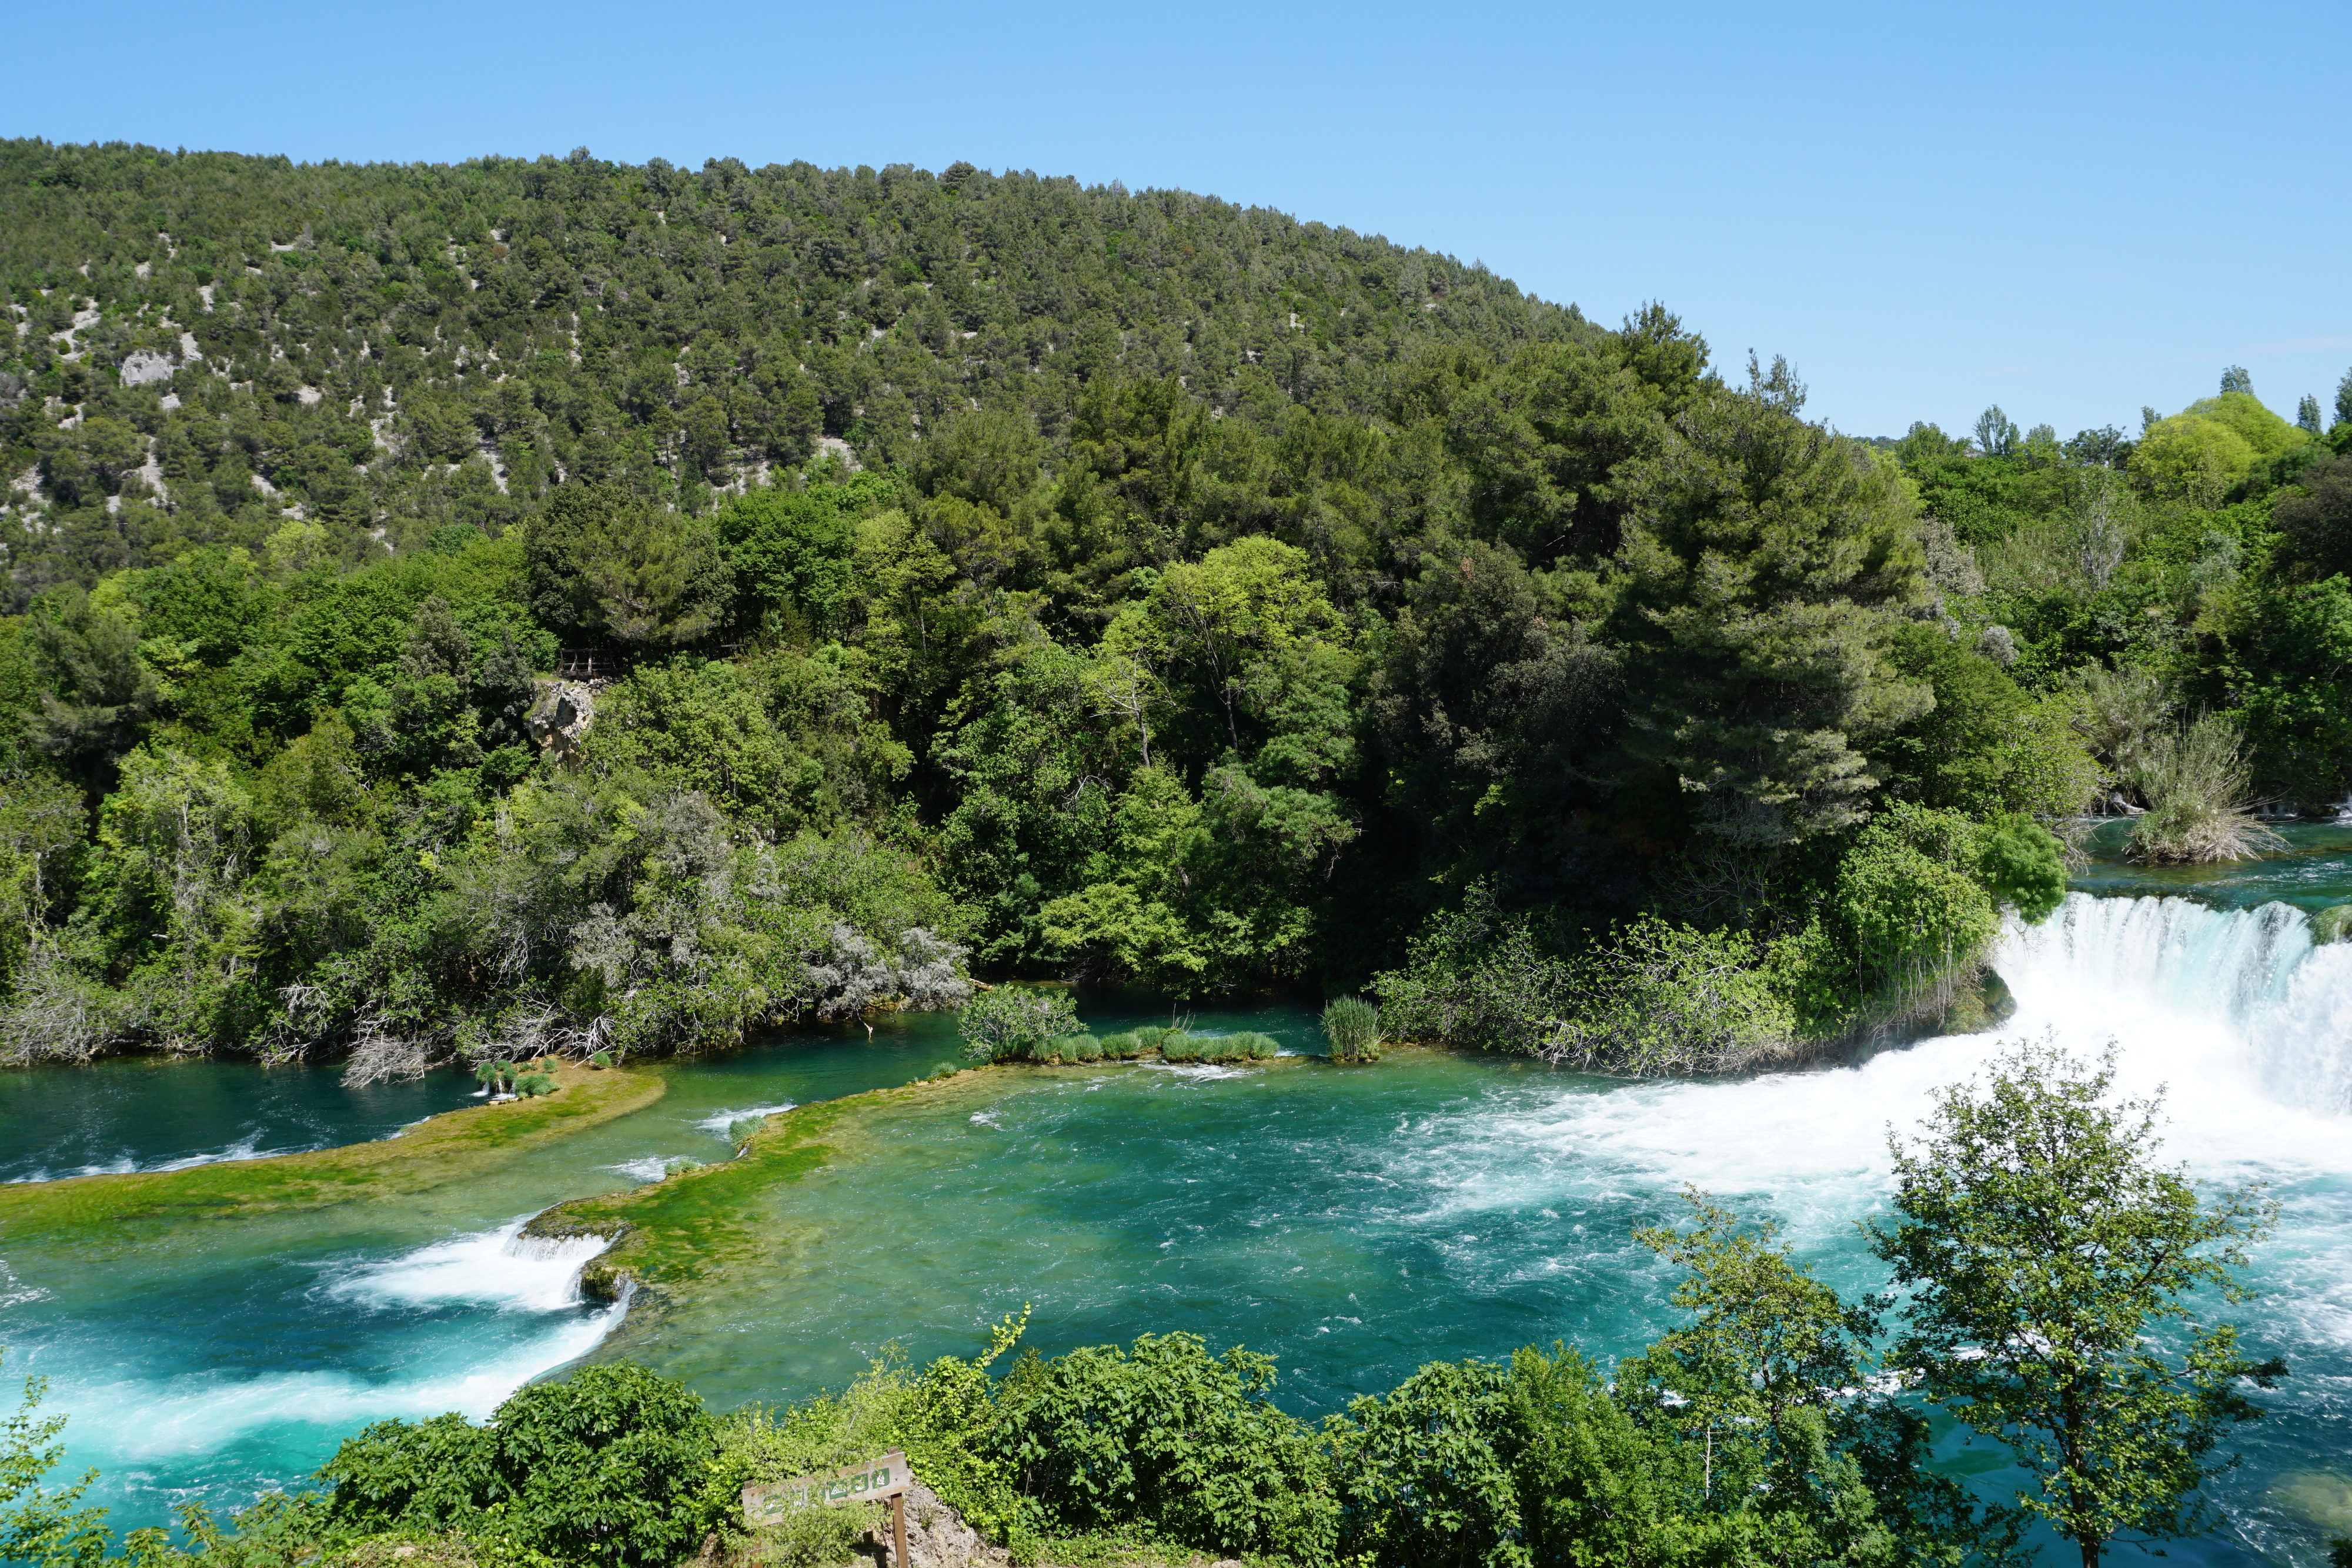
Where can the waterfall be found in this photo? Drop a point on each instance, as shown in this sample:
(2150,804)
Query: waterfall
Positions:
(2237,992)
(571,1250)
(501,1268)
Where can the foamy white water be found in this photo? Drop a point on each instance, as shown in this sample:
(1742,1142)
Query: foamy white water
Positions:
(204,1412)
(501,1267)
(471,1372)
(654,1168)
(246,1148)
(724,1122)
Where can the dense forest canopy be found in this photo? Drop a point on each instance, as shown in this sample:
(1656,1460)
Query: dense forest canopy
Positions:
(462,610)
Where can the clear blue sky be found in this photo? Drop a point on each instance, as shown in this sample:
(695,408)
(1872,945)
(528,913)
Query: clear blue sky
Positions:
(2070,210)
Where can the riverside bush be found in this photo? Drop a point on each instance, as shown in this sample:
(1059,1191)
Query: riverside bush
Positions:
(1661,998)
(1164,1436)
(1352,1027)
(1478,978)
(599,1468)
(1015,1023)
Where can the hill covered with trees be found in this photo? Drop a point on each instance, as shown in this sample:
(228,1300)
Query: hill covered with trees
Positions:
(985,574)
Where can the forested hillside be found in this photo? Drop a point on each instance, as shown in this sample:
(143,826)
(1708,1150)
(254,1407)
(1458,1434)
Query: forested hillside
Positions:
(973,574)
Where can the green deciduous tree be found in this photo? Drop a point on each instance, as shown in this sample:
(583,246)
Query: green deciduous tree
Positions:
(2052,1270)
(1987,746)
(794,554)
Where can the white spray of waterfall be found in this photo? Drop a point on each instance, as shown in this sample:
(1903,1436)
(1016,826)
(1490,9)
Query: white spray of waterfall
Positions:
(530,1284)
(2225,967)
(2233,1015)
(501,1268)
(2267,1007)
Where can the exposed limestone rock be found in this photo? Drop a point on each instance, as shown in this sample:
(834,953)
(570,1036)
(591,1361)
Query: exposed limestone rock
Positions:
(558,720)
(937,1536)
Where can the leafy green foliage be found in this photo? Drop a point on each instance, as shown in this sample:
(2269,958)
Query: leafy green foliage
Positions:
(1015,1023)
(1987,745)
(1479,978)
(2021,863)
(2053,1270)
(598,1469)
(1660,999)
(1168,1436)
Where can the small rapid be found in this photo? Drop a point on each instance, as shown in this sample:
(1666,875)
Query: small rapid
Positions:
(248,1374)
(502,1269)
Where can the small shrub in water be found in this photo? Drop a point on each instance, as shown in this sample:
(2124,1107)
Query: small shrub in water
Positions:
(2200,807)
(1177,1046)
(1015,1023)
(1077,1048)
(1123,1046)
(534,1084)
(946,1070)
(1257,1047)
(1352,1025)
(603,1059)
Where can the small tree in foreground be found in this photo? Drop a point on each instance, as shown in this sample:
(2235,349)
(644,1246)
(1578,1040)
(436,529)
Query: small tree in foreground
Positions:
(2047,1253)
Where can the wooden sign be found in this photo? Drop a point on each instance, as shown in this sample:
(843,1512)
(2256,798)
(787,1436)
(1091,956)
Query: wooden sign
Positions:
(876,1480)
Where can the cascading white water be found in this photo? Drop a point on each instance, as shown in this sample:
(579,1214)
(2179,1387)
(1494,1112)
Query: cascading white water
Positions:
(503,1268)
(2221,1002)
(2243,1027)
(2227,967)
(530,1285)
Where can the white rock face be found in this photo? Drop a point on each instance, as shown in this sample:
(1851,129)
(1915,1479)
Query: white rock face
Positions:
(937,1536)
(145,365)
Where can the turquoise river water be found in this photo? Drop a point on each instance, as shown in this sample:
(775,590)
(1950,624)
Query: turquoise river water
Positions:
(1355,1223)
